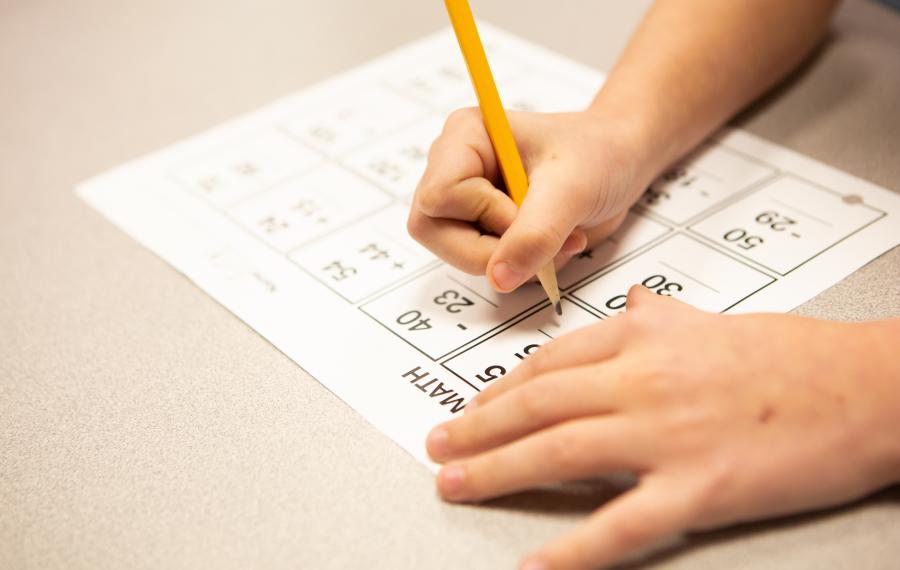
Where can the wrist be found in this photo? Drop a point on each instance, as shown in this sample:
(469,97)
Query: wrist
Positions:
(879,376)
(636,153)
(646,135)
(885,369)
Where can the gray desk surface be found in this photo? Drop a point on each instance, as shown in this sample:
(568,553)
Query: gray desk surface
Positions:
(142,425)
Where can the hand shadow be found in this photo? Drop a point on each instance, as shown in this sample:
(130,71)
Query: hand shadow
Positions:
(742,532)
(569,498)
(585,497)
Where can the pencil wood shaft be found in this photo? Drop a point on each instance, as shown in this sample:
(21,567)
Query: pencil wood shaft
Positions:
(495,120)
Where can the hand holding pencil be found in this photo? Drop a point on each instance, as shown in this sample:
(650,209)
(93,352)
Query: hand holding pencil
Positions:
(497,125)
(659,391)
(579,176)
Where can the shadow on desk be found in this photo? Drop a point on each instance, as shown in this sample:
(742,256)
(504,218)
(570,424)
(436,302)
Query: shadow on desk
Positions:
(572,498)
(585,497)
(837,82)
(890,496)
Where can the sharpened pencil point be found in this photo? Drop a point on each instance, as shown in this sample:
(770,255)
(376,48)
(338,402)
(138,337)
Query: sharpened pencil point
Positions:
(558,307)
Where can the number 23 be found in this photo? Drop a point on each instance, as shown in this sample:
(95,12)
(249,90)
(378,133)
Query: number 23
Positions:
(453,301)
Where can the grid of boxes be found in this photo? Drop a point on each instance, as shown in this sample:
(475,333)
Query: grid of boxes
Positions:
(329,188)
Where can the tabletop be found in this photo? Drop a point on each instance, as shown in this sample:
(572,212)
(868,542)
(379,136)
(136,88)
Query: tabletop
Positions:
(142,425)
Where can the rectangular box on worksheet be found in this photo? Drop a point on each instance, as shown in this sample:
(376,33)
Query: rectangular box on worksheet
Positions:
(293,217)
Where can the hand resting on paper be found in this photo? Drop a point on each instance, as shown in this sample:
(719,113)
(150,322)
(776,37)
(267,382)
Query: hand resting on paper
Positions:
(723,419)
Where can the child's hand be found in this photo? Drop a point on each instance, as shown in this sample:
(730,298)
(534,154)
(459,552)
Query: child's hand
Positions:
(723,419)
(583,173)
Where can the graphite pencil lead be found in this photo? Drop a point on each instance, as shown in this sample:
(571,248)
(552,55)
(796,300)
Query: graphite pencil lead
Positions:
(558,307)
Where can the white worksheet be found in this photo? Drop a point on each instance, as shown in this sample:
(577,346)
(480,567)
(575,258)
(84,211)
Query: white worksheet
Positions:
(293,217)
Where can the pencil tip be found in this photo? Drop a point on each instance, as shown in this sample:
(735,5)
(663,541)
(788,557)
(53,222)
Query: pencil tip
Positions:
(558,307)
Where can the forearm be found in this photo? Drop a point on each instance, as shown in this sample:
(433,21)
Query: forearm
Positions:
(692,64)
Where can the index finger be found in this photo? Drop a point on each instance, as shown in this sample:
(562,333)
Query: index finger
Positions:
(462,151)
(647,516)
(591,344)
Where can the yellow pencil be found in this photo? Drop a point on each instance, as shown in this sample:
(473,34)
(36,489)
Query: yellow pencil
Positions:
(496,122)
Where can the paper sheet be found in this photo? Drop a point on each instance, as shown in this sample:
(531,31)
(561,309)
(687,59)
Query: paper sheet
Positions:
(293,217)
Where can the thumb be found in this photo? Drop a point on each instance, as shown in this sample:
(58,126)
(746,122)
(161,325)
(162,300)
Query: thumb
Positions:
(640,296)
(544,225)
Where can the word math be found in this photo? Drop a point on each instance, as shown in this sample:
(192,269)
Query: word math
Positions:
(293,217)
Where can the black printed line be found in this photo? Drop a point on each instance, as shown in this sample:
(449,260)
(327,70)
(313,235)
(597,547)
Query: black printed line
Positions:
(692,278)
(473,291)
(385,235)
(801,212)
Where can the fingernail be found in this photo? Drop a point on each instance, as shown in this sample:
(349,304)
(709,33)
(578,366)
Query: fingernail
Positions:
(532,564)
(450,481)
(575,243)
(436,442)
(505,277)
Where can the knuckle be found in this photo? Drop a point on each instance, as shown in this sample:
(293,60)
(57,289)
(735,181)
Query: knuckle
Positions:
(481,204)
(563,451)
(430,199)
(433,148)
(468,258)
(627,531)
(661,391)
(634,327)
(656,373)
(544,240)
(640,321)
(719,478)
(417,226)
(530,402)
(462,118)
(578,553)
(470,265)
(683,422)
(438,147)
(539,361)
